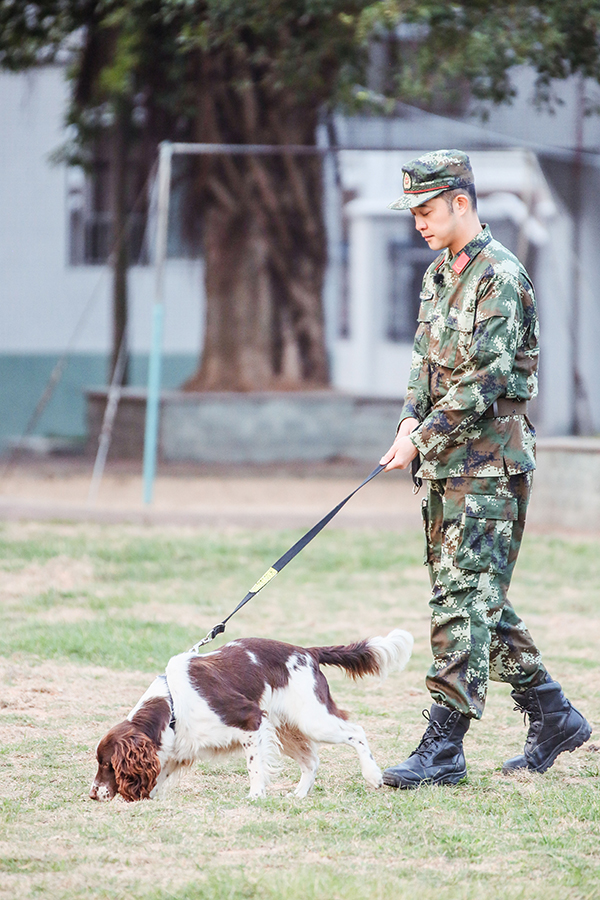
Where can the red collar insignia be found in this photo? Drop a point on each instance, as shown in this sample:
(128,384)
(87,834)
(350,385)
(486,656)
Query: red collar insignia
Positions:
(461,262)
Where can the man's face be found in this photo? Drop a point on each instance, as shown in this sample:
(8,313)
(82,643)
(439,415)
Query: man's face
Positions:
(436,222)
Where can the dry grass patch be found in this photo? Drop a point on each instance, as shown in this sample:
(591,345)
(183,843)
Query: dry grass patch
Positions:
(80,645)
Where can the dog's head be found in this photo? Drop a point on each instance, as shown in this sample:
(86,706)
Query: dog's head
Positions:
(128,764)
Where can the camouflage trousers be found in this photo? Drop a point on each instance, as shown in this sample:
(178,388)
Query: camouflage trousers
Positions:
(474,528)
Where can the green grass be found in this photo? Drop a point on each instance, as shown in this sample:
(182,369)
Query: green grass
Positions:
(88,614)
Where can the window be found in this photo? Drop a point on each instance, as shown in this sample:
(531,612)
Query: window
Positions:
(407,262)
(91,218)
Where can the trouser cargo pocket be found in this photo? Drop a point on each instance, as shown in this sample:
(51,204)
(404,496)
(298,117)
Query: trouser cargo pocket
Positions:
(486,533)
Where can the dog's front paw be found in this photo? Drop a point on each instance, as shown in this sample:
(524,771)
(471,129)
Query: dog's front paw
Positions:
(299,792)
(374,777)
(257,794)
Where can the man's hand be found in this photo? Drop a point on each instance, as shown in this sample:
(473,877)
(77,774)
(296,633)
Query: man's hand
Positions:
(402,451)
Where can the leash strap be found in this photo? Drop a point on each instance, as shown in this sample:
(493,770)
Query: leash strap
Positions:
(283,561)
(414,468)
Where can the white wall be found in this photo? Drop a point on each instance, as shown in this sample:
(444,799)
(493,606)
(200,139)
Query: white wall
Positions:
(365,362)
(512,190)
(562,127)
(42,297)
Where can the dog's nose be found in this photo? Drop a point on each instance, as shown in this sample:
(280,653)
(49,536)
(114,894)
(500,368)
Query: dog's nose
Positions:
(100,792)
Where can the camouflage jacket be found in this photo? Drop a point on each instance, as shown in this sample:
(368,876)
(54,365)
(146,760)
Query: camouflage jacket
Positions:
(476,341)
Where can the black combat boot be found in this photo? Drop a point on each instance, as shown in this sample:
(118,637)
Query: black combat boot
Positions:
(554,726)
(439,758)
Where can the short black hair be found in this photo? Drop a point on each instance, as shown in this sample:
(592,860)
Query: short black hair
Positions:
(468,189)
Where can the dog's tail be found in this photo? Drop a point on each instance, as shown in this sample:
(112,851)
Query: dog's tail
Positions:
(376,656)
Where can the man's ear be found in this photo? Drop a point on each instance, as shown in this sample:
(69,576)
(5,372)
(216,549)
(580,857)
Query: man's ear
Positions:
(461,204)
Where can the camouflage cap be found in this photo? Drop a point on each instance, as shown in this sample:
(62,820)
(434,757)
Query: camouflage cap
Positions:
(431,174)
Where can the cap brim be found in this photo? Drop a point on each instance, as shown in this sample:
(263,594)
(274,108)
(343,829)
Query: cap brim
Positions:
(409,201)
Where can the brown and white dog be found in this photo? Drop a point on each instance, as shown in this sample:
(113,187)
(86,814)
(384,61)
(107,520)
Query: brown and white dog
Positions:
(259,696)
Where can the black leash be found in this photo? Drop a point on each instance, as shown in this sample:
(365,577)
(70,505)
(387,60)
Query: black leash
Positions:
(414,468)
(283,561)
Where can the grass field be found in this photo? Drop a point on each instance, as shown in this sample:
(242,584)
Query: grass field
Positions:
(89,614)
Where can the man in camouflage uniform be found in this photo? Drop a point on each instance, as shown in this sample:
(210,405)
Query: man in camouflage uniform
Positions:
(474,367)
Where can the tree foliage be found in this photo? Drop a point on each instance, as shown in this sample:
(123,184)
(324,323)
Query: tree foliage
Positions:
(315,48)
(482,41)
(266,71)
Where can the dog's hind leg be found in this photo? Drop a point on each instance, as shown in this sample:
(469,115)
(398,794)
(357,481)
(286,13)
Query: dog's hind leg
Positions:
(304,751)
(308,768)
(357,739)
(311,710)
(329,729)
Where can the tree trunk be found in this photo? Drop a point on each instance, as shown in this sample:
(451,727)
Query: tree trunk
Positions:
(120,260)
(265,257)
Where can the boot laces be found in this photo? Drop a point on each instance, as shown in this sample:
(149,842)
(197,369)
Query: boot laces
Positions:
(434,732)
(532,713)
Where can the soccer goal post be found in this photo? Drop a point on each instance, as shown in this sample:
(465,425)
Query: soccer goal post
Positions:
(167,150)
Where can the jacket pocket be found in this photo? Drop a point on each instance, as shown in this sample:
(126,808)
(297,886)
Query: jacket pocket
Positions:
(487,532)
(455,338)
(425,307)
(423,334)
(445,344)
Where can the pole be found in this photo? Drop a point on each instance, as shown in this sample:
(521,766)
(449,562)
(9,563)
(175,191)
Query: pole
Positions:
(110,411)
(580,421)
(120,251)
(153,400)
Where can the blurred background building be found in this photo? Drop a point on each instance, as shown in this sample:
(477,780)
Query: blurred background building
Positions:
(537,174)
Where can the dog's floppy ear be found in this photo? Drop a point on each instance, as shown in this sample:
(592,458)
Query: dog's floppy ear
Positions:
(136,766)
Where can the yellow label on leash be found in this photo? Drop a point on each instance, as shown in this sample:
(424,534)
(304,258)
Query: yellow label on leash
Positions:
(264,580)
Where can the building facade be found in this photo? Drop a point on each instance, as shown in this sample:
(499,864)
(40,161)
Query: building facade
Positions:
(537,177)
